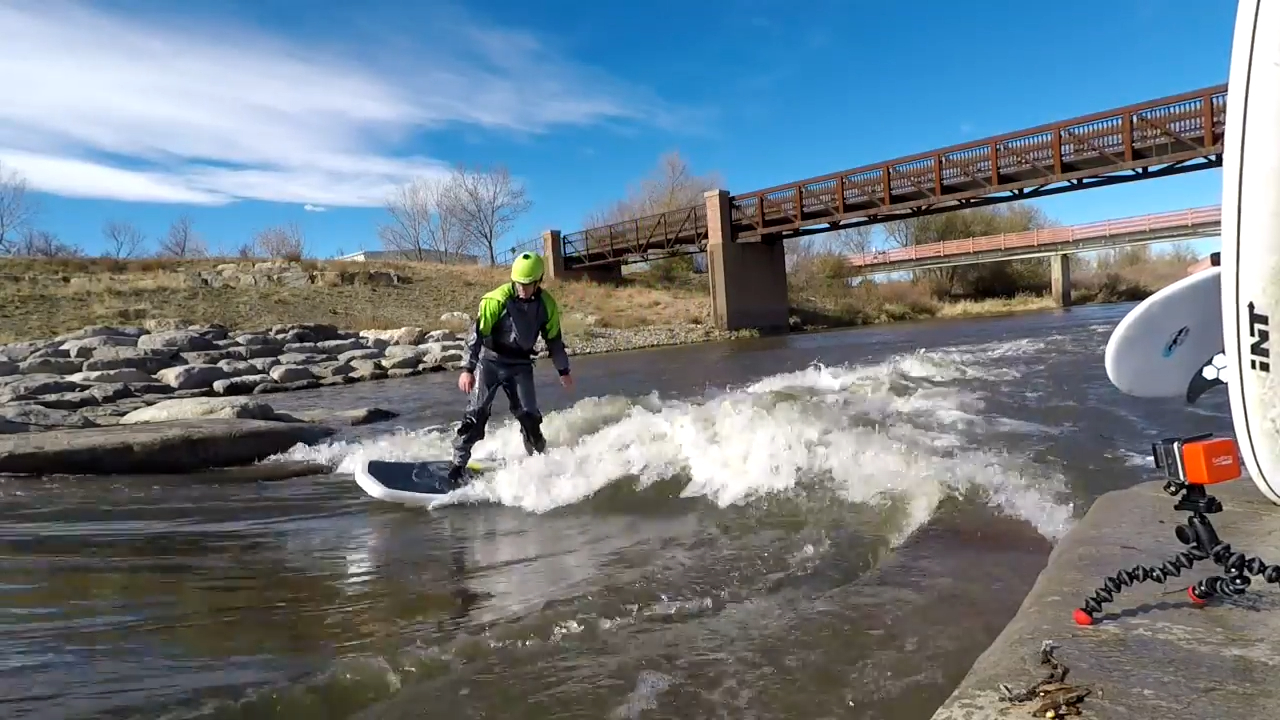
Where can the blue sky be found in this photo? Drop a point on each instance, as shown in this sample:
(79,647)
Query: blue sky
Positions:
(244,113)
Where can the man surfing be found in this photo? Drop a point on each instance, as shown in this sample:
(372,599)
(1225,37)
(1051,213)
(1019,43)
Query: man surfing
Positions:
(500,355)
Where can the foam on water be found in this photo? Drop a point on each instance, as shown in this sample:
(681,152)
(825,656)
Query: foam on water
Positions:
(903,431)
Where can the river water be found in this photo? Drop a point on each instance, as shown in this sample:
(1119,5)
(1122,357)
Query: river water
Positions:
(814,526)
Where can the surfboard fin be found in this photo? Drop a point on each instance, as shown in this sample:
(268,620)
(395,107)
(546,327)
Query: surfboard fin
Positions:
(1209,377)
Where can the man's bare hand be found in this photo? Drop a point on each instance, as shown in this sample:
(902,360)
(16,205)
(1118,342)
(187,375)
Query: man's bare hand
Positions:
(566,381)
(466,381)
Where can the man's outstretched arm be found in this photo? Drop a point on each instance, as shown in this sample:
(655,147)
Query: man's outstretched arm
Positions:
(474,341)
(552,334)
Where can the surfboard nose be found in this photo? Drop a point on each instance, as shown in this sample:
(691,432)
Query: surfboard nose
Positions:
(1161,346)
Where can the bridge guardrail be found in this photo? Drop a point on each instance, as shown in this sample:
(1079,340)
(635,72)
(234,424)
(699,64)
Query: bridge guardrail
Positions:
(1190,218)
(1172,130)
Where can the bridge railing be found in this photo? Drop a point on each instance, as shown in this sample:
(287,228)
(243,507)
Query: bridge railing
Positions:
(1191,218)
(664,231)
(1138,135)
(506,257)
(1165,131)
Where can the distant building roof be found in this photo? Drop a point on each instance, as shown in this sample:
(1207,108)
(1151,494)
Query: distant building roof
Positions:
(426,256)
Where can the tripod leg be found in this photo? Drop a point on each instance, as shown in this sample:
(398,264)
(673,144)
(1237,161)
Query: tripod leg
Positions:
(1137,574)
(1238,568)
(1203,591)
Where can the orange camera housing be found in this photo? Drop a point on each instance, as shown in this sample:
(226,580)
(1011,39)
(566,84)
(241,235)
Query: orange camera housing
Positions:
(1211,461)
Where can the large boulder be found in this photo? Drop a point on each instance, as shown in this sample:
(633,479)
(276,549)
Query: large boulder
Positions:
(192,377)
(242,408)
(38,417)
(358,416)
(19,351)
(122,375)
(50,366)
(399,336)
(148,360)
(180,340)
(28,387)
(85,348)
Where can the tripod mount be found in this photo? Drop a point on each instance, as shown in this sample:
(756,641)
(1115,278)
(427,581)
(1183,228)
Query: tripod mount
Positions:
(1190,464)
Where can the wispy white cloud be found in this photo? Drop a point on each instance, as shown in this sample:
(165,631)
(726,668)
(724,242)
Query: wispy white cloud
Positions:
(313,208)
(109,106)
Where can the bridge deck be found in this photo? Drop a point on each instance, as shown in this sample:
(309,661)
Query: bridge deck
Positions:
(1159,137)
(1157,227)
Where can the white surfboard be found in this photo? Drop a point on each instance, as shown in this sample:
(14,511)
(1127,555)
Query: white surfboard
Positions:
(1160,348)
(1251,238)
(418,484)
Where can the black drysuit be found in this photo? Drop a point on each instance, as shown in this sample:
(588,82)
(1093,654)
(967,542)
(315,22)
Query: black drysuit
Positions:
(500,353)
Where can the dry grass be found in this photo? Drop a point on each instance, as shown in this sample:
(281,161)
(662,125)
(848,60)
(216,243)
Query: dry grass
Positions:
(1122,282)
(45,298)
(820,297)
(42,298)
(994,306)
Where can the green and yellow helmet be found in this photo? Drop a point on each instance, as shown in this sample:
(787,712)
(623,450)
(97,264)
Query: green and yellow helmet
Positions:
(527,268)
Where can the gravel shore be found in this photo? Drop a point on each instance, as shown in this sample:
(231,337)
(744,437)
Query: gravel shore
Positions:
(604,340)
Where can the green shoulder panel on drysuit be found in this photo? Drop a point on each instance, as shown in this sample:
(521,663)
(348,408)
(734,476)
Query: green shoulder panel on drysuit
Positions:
(492,304)
(509,329)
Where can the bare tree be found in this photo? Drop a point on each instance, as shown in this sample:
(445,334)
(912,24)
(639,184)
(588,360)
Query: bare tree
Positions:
(853,240)
(447,234)
(424,222)
(123,240)
(411,212)
(671,185)
(16,209)
(966,223)
(285,242)
(986,279)
(485,204)
(182,241)
(43,244)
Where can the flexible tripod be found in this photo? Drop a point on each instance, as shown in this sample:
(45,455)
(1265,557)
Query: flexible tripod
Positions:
(1191,464)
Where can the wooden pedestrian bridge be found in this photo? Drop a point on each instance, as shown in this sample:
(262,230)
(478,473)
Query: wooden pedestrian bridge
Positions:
(743,234)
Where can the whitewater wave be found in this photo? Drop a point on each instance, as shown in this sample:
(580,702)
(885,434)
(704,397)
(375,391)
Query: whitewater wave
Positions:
(907,432)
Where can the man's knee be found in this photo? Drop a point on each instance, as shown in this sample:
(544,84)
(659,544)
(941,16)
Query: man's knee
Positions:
(531,429)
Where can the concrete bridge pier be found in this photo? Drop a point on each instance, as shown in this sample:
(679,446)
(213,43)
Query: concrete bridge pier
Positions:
(553,254)
(748,279)
(1060,279)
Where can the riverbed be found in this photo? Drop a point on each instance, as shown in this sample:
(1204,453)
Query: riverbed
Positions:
(812,526)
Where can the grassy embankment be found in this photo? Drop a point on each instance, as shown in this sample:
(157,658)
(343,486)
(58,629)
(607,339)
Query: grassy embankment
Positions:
(820,297)
(41,298)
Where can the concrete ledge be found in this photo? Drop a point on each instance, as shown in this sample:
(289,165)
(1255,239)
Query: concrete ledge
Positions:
(1152,653)
(174,446)
(258,472)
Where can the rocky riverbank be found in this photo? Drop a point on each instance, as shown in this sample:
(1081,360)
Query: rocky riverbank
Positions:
(221,437)
(106,375)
